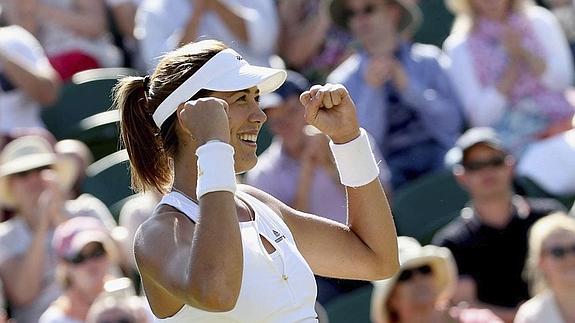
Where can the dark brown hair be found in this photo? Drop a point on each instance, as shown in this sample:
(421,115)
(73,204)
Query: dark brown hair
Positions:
(150,149)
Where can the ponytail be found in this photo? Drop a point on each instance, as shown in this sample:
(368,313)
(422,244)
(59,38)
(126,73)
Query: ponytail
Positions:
(149,163)
(151,150)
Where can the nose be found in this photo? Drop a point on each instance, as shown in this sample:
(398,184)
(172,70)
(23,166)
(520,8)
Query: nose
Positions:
(258,114)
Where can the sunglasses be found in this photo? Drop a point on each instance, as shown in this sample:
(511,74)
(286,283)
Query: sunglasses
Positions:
(366,10)
(31,171)
(560,252)
(476,165)
(408,274)
(98,252)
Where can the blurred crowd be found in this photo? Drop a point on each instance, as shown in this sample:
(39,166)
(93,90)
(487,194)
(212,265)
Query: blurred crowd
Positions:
(496,102)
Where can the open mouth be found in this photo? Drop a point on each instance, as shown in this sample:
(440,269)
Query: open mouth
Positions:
(248,138)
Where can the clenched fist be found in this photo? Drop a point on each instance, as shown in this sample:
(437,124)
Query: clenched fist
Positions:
(330,109)
(205,119)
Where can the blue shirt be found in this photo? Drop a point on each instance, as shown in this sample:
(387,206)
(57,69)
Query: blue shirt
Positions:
(437,112)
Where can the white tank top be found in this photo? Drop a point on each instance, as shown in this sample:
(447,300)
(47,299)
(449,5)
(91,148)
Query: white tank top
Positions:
(277,287)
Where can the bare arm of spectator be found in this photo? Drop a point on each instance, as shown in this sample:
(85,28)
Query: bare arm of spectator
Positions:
(30,71)
(124,17)
(301,40)
(466,291)
(87,19)
(191,29)
(22,277)
(21,13)
(233,19)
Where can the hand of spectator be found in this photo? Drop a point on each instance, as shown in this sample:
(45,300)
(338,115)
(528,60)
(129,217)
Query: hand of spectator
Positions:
(379,70)
(463,314)
(399,76)
(330,109)
(511,40)
(51,201)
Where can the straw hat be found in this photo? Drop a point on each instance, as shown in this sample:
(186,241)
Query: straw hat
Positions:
(413,255)
(410,19)
(27,153)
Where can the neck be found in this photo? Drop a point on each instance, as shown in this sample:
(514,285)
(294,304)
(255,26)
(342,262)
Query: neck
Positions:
(186,174)
(495,210)
(565,298)
(76,304)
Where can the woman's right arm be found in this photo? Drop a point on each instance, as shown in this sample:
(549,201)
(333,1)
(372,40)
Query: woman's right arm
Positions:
(197,264)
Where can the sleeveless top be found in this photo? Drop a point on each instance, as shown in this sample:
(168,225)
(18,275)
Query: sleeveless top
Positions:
(276,287)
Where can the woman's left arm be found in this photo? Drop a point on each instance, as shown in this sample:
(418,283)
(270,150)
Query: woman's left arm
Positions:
(366,248)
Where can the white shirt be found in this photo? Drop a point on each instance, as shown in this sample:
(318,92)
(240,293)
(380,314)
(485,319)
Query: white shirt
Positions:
(276,287)
(539,309)
(484,106)
(160,24)
(17,109)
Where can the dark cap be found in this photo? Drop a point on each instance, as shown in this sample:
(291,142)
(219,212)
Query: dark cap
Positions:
(470,138)
(295,84)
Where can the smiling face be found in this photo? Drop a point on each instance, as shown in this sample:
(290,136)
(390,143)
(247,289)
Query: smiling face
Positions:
(415,291)
(87,275)
(486,172)
(374,23)
(557,260)
(245,120)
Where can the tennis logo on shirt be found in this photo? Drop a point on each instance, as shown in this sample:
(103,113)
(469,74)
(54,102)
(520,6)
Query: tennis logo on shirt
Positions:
(279,236)
(239,58)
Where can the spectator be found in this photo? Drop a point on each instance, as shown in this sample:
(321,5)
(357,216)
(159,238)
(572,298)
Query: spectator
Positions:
(81,154)
(551,271)
(403,97)
(564,11)
(422,289)
(34,182)
(250,25)
(511,65)
(73,32)
(492,229)
(27,81)
(308,41)
(124,19)
(85,252)
(298,169)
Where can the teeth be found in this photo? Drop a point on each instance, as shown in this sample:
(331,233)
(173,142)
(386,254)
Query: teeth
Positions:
(248,137)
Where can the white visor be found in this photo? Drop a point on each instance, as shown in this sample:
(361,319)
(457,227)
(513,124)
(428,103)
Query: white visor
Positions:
(226,71)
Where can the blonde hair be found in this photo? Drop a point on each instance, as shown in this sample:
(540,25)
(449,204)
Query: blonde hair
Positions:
(465,16)
(539,232)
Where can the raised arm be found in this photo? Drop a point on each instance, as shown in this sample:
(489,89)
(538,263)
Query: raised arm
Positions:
(367,247)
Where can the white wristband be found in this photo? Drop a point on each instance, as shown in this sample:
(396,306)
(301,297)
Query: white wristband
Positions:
(215,168)
(355,161)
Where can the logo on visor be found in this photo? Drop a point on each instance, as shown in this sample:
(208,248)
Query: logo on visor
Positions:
(239,58)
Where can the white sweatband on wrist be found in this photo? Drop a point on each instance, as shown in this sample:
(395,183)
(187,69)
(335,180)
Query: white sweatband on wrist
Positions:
(355,161)
(215,168)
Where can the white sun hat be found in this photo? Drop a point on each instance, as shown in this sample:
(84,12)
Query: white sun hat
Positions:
(226,71)
(30,152)
(413,255)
